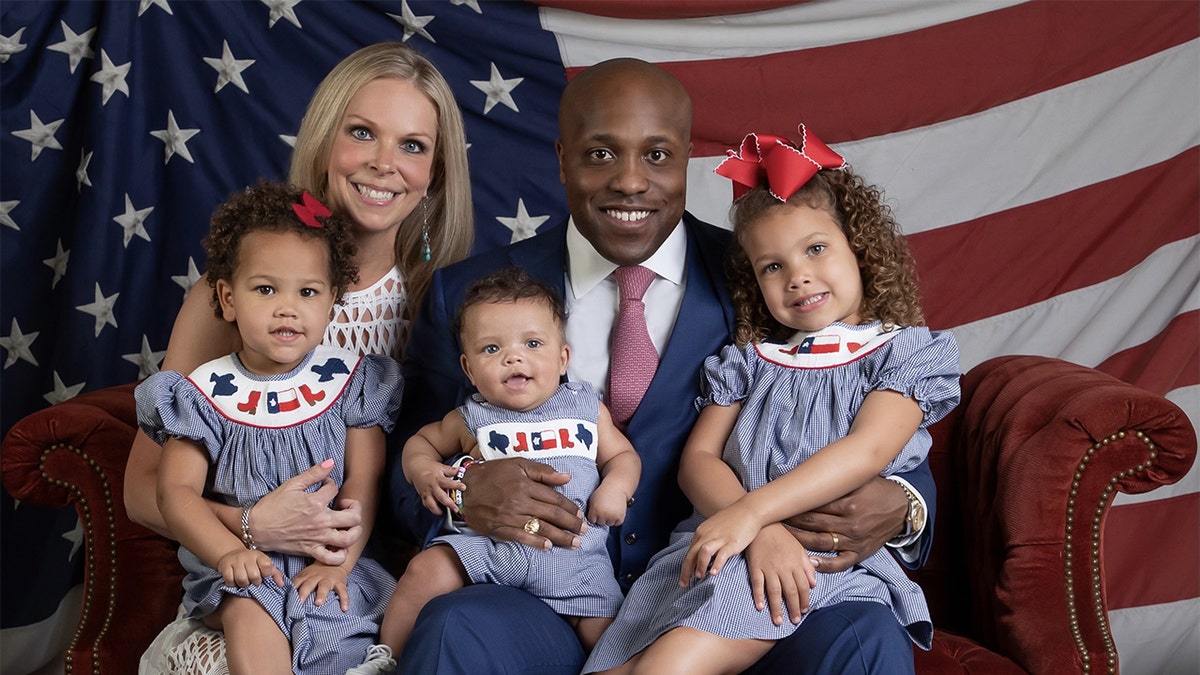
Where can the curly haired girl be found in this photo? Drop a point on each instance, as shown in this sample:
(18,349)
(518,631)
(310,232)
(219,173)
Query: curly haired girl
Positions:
(239,426)
(832,380)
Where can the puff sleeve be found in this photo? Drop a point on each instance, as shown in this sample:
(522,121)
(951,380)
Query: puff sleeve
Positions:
(922,365)
(726,377)
(169,405)
(372,397)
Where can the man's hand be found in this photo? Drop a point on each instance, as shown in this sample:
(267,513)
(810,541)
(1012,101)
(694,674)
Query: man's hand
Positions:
(292,521)
(863,521)
(503,495)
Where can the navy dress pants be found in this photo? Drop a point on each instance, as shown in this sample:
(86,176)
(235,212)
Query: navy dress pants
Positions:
(487,628)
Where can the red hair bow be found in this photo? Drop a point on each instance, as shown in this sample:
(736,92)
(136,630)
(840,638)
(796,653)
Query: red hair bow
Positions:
(773,161)
(310,209)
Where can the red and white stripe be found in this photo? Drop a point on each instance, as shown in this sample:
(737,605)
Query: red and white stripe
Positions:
(1042,156)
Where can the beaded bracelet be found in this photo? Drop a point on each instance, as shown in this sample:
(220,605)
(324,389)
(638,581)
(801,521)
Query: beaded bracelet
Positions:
(247,538)
(455,493)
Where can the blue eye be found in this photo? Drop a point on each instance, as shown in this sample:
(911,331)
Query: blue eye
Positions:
(491,349)
(361,133)
(533,344)
(414,147)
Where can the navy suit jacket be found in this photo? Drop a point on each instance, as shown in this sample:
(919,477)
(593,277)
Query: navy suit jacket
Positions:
(435,383)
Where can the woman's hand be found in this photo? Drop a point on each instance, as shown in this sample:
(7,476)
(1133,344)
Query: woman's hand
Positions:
(781,573)
(863,521)
(503,496)
(292,521)
(726,534)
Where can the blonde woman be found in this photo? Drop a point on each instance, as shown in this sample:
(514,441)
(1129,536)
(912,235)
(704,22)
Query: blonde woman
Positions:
(382,143)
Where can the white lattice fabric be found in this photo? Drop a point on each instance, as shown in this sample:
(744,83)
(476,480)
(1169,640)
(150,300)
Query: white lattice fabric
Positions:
(371,321)
(185,647)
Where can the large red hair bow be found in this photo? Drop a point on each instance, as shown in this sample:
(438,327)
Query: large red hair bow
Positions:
(773,161)
(309,209)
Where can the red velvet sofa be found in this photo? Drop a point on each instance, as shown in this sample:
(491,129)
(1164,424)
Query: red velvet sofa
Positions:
(1026,467)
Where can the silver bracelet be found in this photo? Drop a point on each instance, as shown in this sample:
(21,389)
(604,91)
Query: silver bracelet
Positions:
(247,538)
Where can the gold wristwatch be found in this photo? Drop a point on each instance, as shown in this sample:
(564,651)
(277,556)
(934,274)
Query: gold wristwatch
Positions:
(915,520)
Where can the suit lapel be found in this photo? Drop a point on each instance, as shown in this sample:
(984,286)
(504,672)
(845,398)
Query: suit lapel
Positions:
(704,324)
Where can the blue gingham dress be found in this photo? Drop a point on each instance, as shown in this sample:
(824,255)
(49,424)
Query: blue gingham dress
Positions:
(797,397)
(562,433)
(260,431)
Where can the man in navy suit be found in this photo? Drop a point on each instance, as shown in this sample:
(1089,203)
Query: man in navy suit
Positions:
(625,128)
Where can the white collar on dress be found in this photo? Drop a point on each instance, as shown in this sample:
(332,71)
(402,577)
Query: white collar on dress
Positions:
(835,345)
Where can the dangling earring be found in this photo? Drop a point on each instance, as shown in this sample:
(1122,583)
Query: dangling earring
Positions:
(426,253)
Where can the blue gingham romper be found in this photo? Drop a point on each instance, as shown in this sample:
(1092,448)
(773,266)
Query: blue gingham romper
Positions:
(562,433)
(260,431)
(797,397)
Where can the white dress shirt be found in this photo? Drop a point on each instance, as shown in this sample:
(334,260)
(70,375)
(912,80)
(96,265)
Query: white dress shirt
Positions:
(592,302)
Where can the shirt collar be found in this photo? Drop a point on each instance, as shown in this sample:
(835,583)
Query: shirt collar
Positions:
(586,267)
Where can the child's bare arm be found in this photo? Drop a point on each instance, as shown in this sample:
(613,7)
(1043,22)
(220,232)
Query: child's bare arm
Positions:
(180,497)
(620,469)
(882,427)
(704,477)
(424,455)
(365,453)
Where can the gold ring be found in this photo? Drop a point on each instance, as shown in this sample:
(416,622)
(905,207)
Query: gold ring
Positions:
(835,541)
(533,525)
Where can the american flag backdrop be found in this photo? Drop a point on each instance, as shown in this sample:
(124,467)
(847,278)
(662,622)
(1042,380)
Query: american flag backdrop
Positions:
(1043,157)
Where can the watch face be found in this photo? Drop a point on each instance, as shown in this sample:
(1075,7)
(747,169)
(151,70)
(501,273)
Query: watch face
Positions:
(917,514)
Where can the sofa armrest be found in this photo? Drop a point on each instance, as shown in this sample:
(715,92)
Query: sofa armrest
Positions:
(1042,447)
(74,454)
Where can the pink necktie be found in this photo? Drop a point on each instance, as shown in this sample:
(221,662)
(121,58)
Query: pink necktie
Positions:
(634,358)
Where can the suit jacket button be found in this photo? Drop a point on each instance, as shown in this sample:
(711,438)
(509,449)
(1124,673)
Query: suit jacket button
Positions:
(631,538)
(629,503)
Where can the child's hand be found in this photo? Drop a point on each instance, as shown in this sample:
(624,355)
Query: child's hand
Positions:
(320,579)
(724,535)
(432,481)
(242,567)
(781,573)
(607,506)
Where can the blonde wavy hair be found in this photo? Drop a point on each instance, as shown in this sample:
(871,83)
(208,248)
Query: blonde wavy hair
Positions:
(891,293)
(448,201)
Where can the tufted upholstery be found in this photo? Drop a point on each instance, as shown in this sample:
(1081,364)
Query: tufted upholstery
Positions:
(1026,469)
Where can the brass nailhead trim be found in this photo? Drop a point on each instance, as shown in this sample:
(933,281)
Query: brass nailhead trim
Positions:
(85,509)
(1109,648)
